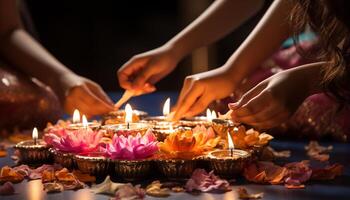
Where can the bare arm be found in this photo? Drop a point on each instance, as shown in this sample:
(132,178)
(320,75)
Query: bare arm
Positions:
(22,51)
(142,71)
(262,42)
(218,20)
(201,89)
(26,54)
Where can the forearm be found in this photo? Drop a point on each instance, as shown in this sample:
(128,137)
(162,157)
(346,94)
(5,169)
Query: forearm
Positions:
(262,42)
(310,76)
(218,20)
(23,52)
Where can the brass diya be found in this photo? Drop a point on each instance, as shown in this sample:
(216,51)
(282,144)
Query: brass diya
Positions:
(131,170)
(62,158)
(125,129)
(229,163)
(176,169)
(76,126)
(33,152)
(117,117)
(195,121)
(93,163)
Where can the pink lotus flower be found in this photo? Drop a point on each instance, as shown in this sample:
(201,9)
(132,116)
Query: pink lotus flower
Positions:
(80,141)
(132,147)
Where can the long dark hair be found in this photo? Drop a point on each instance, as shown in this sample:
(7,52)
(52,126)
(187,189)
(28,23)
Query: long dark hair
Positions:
(330,19)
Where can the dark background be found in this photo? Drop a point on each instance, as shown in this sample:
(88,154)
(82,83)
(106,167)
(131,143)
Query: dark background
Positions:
(94,38)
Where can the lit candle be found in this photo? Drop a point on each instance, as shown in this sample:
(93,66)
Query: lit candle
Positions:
(231,145)
(229,162)
(128,115)
(84,124)
(162,122)
(33,151)
(128,128)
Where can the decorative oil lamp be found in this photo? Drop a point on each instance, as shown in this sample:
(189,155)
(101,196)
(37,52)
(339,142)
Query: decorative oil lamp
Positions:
(33,152)
(78,125)
(161,125)
(200,120)
(132,155)
(228,162)
(118,116)
(94,163)
(128,127)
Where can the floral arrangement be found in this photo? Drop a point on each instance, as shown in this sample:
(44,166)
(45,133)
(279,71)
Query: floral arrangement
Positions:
(187,144)
(244,139)
(81,141)
(132,147)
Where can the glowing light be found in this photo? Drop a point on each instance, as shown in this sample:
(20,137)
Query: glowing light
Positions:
(35,134)
(128,113)
(231,146)
(213,115)
(85,121)
(209,118)
(166,107)
(76,116)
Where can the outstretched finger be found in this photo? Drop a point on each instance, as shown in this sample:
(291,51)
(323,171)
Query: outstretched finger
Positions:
(189,98)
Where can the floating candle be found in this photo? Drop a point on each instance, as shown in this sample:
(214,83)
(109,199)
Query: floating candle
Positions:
(33,152)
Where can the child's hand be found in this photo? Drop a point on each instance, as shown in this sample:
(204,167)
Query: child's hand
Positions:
(272,101)
(200,90)
(85,95)
(142,71)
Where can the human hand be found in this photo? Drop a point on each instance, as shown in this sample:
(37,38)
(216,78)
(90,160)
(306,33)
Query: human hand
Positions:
(201,89)
(85,95)
(273,100)
(142,71)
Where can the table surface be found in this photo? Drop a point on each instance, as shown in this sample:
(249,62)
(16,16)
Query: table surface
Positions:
(336,189)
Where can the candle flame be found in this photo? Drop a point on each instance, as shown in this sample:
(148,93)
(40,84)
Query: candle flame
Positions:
(209,118)
(76,116)
(166,107)
(128,113)
(85,121)
(213,115)
(235,129)
(230,142)
(35,133)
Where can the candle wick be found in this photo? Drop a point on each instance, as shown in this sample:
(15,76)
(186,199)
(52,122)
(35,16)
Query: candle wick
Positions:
(35,141)
(231,150)
(128,125)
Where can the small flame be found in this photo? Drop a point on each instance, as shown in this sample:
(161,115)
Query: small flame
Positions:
(35,133)
(230,142)
(166,107)
(209,118)
(76,116)
(213,115)
(235,129)
(85,121)
(128,113)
